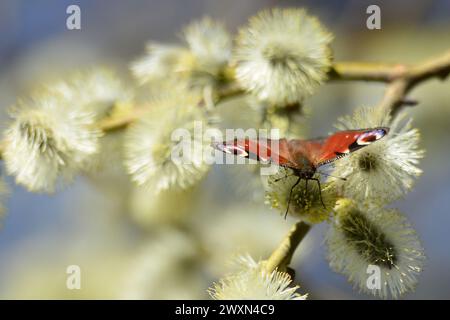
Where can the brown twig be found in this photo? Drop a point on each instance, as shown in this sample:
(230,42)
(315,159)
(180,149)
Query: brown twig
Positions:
(400,78)
(281,257)
(362,71)
(396,92)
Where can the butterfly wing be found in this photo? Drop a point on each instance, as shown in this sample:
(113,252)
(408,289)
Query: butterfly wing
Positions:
(265,150)
(303,154)
(325,150)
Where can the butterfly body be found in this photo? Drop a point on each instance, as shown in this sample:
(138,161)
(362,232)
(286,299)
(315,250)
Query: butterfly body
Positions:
(301,161)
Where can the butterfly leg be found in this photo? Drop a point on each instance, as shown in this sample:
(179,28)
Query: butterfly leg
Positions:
(290,195)
(320,191)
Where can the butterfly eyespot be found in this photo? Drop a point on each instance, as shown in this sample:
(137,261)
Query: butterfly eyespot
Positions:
(235,150)
(371,136)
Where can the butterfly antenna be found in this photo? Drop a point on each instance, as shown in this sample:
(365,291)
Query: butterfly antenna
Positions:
(284,177)
(329,175)
(320,195)
(290,195)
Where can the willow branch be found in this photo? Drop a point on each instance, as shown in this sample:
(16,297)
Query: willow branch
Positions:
(383,72)
(282,255)
(364,71)
(395,95)
(117,123)
(399,77)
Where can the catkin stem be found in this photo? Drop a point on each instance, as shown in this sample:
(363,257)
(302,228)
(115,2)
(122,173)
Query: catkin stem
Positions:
(282,255)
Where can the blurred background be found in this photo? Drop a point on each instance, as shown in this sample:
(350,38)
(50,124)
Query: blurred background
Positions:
(134,245)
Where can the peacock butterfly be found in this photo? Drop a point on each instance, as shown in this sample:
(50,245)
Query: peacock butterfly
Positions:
(304,157)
